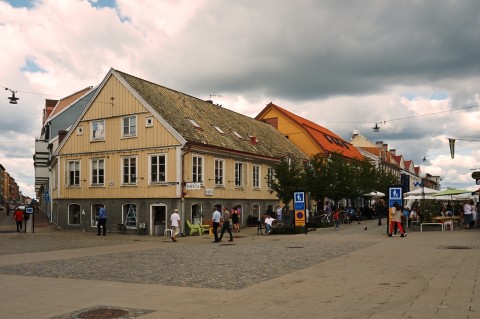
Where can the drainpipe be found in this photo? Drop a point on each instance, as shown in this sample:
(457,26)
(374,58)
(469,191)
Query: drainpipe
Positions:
(184,152)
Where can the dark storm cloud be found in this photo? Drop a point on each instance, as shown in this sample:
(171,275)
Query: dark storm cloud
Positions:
(307,49)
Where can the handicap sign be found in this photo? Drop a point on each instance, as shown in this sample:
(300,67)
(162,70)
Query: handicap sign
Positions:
(299,200)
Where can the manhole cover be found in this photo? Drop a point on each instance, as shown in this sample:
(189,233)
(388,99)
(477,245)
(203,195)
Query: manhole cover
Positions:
(103,314)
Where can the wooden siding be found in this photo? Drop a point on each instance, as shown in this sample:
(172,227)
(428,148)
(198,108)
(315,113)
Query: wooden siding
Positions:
(149,140)
(228,190)
(124,104)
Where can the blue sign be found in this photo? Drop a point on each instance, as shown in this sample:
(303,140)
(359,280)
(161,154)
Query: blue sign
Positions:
(396,193)
(395,196)
(299,200)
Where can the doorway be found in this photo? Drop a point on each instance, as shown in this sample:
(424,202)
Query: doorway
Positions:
(158,219)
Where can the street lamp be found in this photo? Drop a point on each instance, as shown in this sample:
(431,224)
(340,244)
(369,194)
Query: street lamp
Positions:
(13,99)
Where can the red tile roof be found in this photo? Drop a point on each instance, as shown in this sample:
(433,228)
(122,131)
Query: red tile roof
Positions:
(326,140)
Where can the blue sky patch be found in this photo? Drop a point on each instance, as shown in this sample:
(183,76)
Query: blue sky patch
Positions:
(433,96)
(103,3)
(31,66)
(439,96)
(21,3)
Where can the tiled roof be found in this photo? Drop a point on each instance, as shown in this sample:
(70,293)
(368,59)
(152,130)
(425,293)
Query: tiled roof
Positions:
(66,101)
(177,109)
(328,141)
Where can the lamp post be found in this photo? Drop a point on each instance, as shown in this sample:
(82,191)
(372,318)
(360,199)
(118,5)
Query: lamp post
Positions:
(13,99)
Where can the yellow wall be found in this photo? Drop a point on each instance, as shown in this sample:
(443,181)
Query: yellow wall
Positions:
(295,133)
(149,140)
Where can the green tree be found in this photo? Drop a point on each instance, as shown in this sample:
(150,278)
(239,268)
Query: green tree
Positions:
(287,178)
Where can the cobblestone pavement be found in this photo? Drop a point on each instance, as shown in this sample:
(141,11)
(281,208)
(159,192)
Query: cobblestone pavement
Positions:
(356,272)
(252,258)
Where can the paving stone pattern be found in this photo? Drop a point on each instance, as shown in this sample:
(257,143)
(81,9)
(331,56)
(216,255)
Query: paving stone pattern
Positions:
(254,264)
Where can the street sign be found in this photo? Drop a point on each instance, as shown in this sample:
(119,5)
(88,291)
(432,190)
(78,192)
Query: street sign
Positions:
(395,196)
(299,200)
(193,185)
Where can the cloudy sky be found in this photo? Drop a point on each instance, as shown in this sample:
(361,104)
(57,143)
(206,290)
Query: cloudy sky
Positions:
(413,67)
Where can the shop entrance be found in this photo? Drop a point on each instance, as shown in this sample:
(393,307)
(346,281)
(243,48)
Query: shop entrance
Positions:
(158,219)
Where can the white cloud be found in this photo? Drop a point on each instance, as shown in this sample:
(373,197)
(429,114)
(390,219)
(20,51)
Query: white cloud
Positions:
(339,64)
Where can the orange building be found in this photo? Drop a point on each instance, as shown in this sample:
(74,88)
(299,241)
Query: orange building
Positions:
(309,137)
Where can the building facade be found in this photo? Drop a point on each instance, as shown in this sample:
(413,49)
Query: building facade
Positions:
(141,150)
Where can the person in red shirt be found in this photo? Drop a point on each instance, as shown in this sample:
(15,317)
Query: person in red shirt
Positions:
(18,217)
(336,218)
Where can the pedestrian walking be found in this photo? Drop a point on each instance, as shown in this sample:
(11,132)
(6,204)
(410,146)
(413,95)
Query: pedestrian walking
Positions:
(336,218)
(175,224)
(380,210)
(236,220)
(18,218)
(226,224)
(396,211)
(102,222)
(216,216)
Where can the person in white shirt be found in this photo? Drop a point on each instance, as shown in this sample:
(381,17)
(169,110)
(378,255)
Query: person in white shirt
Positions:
(216,216)
(175,224)
(279,212)
(467,214)
(269,220)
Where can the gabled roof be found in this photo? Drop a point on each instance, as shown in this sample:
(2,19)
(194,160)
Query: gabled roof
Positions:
(240,133)
(63,103)
(325,139)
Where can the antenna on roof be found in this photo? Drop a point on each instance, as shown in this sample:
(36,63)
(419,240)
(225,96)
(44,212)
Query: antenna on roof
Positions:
(214,95)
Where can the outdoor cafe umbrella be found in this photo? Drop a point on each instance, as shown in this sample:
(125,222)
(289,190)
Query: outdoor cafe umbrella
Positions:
(421,190)
(375,194)
(450,192)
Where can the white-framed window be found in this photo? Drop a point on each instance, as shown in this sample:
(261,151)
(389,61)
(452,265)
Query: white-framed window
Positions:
(129,216)
(129,126)
(256,176)
(98,171)
(73,173)
(98,130)
(219,172)
(74,214)
(239,174)
(270,176)
(149,122)
(197,169)
(158,168)
(129,170)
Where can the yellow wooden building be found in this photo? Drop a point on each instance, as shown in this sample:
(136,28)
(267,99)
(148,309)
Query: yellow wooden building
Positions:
(310,137)
(140,150)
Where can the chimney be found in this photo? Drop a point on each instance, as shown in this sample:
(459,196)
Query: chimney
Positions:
(355,133)
(393,152)
(61,135)
(253,140)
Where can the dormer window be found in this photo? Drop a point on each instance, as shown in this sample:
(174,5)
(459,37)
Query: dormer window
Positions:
(237,135)
(219,130)
(195,124)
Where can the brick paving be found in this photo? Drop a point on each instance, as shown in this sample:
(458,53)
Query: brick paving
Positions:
(350,273)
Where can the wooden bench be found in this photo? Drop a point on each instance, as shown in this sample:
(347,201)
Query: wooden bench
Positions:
(439,224)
